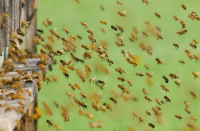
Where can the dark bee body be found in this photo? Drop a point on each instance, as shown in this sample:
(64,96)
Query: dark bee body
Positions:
(166,79)
(101,82)
(167,99)
(49,123)
(113,27)
(151,125)
(112,99)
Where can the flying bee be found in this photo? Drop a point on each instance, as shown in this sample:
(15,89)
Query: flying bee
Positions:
(165,88)
(159,36)
(84,24)
(158,101)
(122,13)
(90,32)
(186,103)
(144,91)
(24,23)
(113,100)
(113,27)
(181,32)
(146,2)
(193,45)
(70,85)
(102,7)
(140,119)
(144,33)
(45,23)
(92,80)
(159,61)
(103,22)
(187,110)
(191,126)
(87,55)
(139,74)
(101,82)
(195,41)
(120,44)
(120,28)
(50,123)
(119,2)
(178,117)
(66,30)
(183,24)
(103,30)
(184,6)
(158,15)
(19,32)
(176,18)
(120,70)
(109,61)
(78,86)
(79,36)
(147,67)
(193,94)
(196,58)
(177,83)
(121,79)
(73,37)
(176,45)
(194,118)
(50,22)
(148,98)
(66,75)
(129,82)
(148,113)
(135,115)
(196,74)
(149,75)
(120,39)
(167,99)
(83,96)
(56,104)
(173,76)
(95,106)
(60,52)
(92,38)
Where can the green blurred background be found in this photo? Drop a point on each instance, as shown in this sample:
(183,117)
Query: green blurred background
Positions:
(69,14)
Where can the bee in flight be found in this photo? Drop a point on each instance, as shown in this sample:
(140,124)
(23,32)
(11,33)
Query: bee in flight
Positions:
(114,28)
(49,123)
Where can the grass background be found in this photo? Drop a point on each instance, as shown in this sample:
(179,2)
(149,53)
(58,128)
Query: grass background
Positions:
(69,14)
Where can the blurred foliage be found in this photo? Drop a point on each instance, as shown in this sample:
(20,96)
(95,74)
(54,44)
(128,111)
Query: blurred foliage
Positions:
(69,14)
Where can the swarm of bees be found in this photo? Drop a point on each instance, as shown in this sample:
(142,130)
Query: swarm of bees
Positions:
(113,60)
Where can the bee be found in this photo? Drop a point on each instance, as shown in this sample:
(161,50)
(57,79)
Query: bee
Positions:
(187,110)
(151,125)
(79,36)
(83,96)
(120,28)
(158,29)
(177,83)
(147,113)
(122,13)
(135,115)
(57,105)
(179,117)
(129,82)
(120,44)
(165,88)
(101,82)
(19,32)
(147,67)
(159,61)
(113,27)
(196,74)
(193,94)
(195,57)
(92,38)
(194,118)
(50,22)
(113,100)
(173,76)
(40,31)
(139,74)
(66,75)
(148,98)
(144,33)
(66,31)
(176,45)
(184,6)
(181,32)
(121,79)
(95,106)
(140,119)
(186,103)
(78,86)
(73,37)
(120,70)
(144,91)
(193,45)
(176,18)
(103,22)
(90,32)
(60,52)
(102,7)
(103,30)
(191,126)
(84,24)
(167,99)
(45,23)
(158,15)
(183,24)
(146,2)
(50,123)
(158,101)
(92,80)
(195,41)
(149,75)
(109,61)
(120,3)
(24,23)
(5,17)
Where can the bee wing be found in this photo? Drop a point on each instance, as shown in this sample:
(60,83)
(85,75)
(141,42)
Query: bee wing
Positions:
(198,73)
(162,59)
(94,78)
(124,12)
(92,29)
(151,72)
(55,29)
(66,58)
(100,93)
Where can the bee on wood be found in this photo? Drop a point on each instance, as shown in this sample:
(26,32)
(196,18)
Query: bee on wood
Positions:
(113,100)
(50,123)
(158,15)
(193,94)
(178,117)
(151,125)
(167,99)
(113,27)
(19,32)
(176,45)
